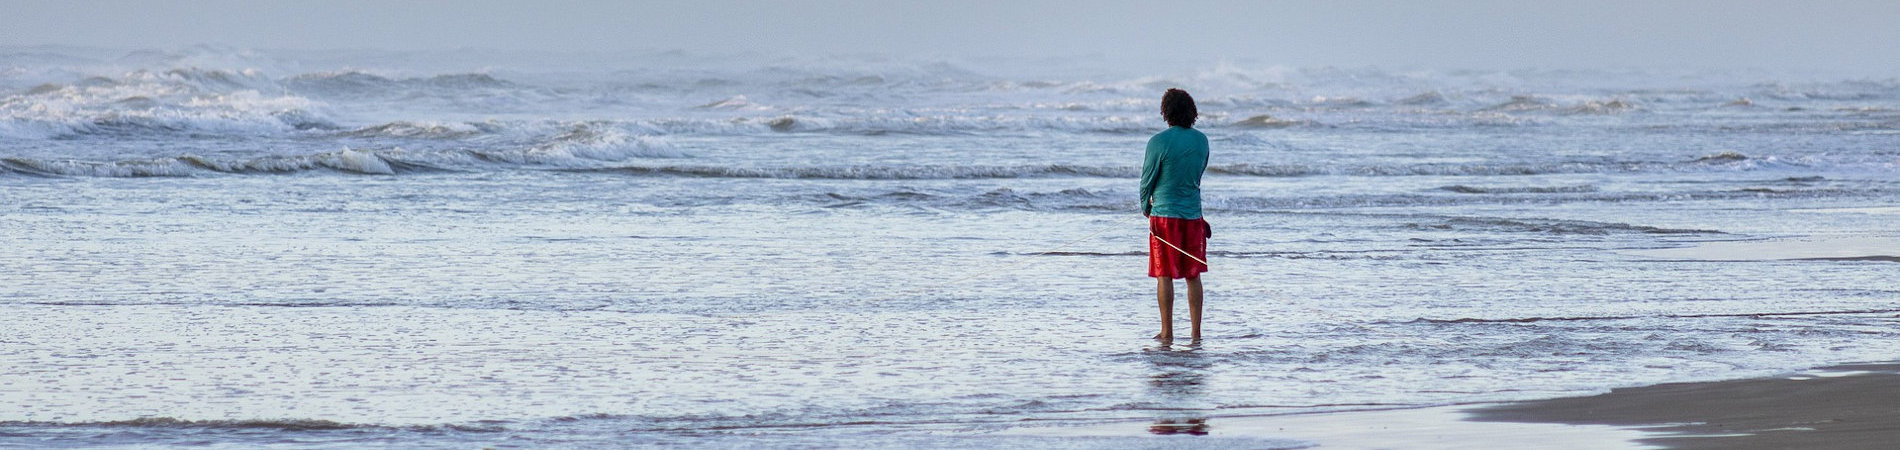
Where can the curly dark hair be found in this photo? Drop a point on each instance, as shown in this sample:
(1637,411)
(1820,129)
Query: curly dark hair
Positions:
(1178,107)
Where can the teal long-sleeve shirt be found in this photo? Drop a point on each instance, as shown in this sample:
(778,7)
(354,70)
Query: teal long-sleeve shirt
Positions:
(1171,173)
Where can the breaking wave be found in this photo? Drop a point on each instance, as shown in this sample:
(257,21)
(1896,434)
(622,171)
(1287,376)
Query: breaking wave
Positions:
(356,83)
(579,146)
(1551,226)
(905,123)
(1463,189)
(253,114)
(596,148)
(878,172)
(1265,121)
(1253,170)
(432,130)
(214,101)
(346,160)
(179,100)
(168,422)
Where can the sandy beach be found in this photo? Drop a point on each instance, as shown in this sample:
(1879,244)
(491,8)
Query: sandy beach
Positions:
(1840,407)
(1848,406)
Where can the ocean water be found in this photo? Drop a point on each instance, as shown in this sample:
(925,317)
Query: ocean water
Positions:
(229,247)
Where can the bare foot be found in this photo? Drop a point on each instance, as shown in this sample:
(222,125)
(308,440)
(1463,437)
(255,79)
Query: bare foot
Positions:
(1164,336)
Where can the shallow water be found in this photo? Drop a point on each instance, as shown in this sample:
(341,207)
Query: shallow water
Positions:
(346,249)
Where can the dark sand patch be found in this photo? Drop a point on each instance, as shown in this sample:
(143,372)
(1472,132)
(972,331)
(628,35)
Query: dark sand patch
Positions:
(1847,407)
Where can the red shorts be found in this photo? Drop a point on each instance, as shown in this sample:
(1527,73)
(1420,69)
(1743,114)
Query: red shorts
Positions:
(1188,234)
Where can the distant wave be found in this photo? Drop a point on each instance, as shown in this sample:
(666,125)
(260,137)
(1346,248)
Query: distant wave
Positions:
(247,114)
(585,143)
(879,172)
(1432,98)
(1288,170)
(1533,103)
(1522,103)
(1841,90)
(597,148)
(249,102)
(580,146)
(1268,204)
(1255,170)
(1724,157)
(178,100)
(347,160)
(917,124)
(1464,189)
(1119,200)
(360,83)
(196,101)
(253,114)
(1601,107)
(434,130)
(1553,226)
(1269,122)
(168,422)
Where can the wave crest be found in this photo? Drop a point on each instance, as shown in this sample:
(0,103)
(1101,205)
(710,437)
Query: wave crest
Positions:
(1464,189)
(168,422)
(579,147)
(1265,121)
(587,142)
(432,130)
(356,83)
(595,147)
(173,101)
(878,172)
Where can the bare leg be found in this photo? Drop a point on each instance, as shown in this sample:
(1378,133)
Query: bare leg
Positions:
(1164,296)
(1194,305)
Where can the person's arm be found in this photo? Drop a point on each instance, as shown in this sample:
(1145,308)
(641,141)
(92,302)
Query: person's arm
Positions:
(1150,175)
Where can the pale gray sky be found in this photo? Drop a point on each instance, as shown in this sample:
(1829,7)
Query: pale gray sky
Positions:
(1828,35)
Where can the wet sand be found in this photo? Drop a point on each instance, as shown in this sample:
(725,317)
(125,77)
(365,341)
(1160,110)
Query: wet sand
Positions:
(1410,428)
(1846,407)
(1841,407)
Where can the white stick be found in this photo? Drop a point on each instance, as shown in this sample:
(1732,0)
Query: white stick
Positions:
(1178,249)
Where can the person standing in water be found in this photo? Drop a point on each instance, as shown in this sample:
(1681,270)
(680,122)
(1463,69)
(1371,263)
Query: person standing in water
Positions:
(1171,198)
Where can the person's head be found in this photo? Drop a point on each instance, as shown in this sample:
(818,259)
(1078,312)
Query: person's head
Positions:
(1178,108)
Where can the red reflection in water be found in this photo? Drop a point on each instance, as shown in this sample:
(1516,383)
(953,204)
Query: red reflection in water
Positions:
(1197,427)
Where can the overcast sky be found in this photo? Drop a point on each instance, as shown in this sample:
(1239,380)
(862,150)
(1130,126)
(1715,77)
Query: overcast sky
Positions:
(1860,37)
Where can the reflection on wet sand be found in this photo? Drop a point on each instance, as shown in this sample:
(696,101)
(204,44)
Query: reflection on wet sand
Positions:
(1180,378)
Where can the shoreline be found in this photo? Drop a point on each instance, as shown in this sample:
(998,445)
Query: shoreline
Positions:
(1841,406)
